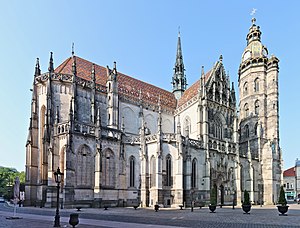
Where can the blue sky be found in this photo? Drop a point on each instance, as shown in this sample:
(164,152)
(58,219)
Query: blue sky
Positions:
(141,36)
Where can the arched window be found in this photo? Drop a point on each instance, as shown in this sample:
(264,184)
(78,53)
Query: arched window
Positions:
(194,173)
(169,171)
(246,130)
(132,171)
(256,107)
(245,88)
(84,167)
(246,109)
(108,169)
(256,129)
(256,85)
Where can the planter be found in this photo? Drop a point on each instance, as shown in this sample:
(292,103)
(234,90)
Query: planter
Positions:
(212,208)
(246,209)
(73,219)
(282,209)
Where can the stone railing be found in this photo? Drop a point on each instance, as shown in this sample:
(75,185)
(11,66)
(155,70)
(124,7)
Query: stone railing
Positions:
(151,138)
(132,140)
(84,128)
(196,143)
(222,146)
(169,137)
(61,128)
(111,133)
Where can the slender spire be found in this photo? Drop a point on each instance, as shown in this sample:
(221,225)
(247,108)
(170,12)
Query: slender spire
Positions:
(179,79)
(74,68)
(123,125)
(37,68)
(179,58)
(71,109)
(51,67)
(73,52)
(202,71)
(57,115)
(93,73)
(98,117)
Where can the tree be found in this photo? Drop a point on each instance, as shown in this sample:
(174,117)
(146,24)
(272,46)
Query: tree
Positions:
(246,198)
(213,195)
(7,178)
(282,199)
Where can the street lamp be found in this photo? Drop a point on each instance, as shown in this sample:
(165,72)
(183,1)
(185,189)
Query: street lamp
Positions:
(57,176)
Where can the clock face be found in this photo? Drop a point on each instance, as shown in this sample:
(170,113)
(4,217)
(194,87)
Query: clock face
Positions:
(247,55)
(265,52)
(256,49)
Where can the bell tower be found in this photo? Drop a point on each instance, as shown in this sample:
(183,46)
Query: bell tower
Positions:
(259,118)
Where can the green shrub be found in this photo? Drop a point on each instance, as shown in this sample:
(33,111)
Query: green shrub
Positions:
(246,200)
(282,199)
(213,195)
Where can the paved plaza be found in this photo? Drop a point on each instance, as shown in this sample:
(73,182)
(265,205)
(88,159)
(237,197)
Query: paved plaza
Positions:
(266,216)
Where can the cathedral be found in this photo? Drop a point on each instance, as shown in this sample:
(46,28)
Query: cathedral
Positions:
(122,142)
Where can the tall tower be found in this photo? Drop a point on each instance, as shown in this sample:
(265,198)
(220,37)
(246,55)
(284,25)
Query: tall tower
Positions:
(179,79)
(259,118)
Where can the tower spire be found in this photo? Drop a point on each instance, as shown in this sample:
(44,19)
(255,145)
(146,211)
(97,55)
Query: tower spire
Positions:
(73,52)
(51,67)
(37,68)
(179,79)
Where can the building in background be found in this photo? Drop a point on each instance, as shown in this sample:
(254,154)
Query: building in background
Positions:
(122,142)
(289,183)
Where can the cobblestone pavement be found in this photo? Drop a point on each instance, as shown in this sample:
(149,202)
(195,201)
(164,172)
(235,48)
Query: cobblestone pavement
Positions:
(260,217)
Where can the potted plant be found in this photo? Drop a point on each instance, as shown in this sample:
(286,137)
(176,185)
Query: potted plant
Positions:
(282,207)
(213,199)
(246,205)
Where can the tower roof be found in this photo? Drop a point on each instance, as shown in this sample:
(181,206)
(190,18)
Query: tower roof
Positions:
(255,49)
(127,86)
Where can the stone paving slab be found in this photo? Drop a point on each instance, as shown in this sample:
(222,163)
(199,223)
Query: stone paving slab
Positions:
(260,217)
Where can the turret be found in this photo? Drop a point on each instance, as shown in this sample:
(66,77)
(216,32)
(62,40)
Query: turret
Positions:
(51,66)
(93,104)
(112,98)
(179,80)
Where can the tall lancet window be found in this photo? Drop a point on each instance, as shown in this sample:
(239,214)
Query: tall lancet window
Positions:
(84,167)
(108,169)
(132,171)
(256,85)
(256,107)
(246,131)
(169,170)
(245,88)
(246,110)
(194,173)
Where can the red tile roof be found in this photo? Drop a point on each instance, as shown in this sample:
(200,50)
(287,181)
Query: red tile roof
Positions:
(192,91)
(127,86)
(289,172)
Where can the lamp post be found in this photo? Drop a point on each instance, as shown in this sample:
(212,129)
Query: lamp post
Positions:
(57,176)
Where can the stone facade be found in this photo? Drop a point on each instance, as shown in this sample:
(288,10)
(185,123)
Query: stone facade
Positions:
(122,142)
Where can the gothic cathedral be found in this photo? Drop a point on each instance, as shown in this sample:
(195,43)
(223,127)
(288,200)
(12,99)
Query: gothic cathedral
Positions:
(122,142)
